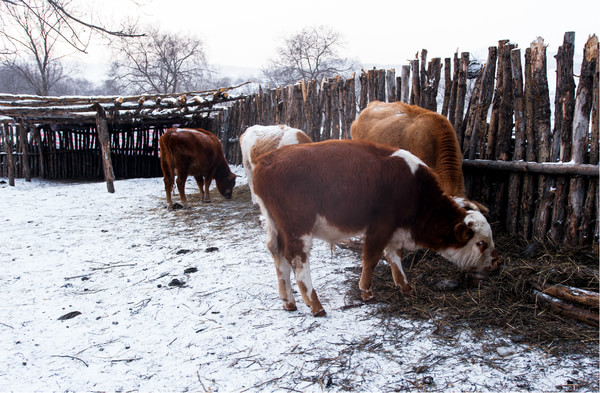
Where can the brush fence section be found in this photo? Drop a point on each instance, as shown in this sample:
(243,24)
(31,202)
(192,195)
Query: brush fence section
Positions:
(74,151)
(537,171)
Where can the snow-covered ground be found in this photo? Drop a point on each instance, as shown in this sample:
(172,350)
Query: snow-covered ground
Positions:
(187,300)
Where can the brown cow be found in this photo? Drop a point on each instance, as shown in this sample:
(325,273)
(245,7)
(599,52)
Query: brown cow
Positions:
(195,152)
(258,140)
(426,134)
(336,189)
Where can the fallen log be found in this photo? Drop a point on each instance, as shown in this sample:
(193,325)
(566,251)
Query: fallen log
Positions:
(567,310)
(571,294)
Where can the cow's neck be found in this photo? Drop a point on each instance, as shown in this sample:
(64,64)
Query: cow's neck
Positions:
(435,222)
(223,170)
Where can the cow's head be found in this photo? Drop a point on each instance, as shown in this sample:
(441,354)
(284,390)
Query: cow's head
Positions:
(474,249)
(225,185)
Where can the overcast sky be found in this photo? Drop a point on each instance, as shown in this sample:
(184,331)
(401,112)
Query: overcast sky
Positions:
(246,33)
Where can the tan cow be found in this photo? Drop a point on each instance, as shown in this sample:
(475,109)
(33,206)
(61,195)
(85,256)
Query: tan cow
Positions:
(426,134)
(337,189)
(194,152)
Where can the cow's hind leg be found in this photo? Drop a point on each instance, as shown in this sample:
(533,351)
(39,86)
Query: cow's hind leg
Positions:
(283,269)
(302,274)
(181,179)
(200,183)
(394,257)
(206,193)
(372,250)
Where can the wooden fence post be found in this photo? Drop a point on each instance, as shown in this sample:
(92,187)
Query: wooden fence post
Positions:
(405,95)
(581,123)
(453,90)
(461,91)
(8,147)
(390,77)
(514,181)
(415,94)
(25,150)
(564,106)
(447,86)
(40,148)
(104,138)
(364,90)
(485,98)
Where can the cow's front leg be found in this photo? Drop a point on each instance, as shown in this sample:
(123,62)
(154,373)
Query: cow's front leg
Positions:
(206,194)
(394,257)
(181,179)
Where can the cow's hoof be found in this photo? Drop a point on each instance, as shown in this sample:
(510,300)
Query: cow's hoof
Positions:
(407,290)
(367,296)
(290,306)
(176,206)
(320,313)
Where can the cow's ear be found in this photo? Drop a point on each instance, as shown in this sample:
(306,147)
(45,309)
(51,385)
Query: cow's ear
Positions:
(462,232)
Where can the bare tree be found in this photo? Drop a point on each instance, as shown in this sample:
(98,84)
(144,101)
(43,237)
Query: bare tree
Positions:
(71,26)
(30,37)
(309,54)
(160,63)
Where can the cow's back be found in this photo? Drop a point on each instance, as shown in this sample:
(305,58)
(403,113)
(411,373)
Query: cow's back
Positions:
(195,151)
(300,184)
(426,134)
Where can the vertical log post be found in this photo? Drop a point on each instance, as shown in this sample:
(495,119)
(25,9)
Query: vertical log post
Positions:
(581,124)
(564,106)
(447,86)
(415,95)
(8,147)
(405,95)
(527,202)
(40,148)
(364,90)
(453,90)
(104,138)
(390,78)
(461,91)
(476,142)
(514,182)
(25,150)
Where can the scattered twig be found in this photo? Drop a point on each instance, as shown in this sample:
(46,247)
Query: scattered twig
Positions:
(112,266)
(71,357)
(125,360)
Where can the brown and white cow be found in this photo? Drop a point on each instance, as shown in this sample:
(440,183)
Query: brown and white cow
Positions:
(426,134)
(194,152)
(258,140)
(336,189)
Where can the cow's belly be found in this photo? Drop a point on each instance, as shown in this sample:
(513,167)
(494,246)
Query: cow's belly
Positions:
(331,233)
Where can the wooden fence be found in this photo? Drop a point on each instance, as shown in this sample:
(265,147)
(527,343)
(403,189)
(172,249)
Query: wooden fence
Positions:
(535,169)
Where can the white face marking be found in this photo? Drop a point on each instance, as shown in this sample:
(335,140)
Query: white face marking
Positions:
(470,257)
(411,160)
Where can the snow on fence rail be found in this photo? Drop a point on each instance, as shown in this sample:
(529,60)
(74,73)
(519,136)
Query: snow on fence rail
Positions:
(538,174)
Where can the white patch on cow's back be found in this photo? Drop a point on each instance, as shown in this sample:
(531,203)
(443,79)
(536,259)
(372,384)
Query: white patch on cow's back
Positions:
(411,160)
(289,137)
